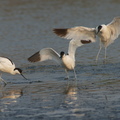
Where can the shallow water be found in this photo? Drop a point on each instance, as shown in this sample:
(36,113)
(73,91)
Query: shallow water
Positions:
(26,27)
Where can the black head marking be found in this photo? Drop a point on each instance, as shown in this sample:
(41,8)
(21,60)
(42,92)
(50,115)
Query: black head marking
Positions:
(99,28)
(61,54)
(18,70)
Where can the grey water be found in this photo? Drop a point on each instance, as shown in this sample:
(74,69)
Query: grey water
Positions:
(25,28)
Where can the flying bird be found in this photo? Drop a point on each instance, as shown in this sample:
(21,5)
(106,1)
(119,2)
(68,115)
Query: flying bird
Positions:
(80,33)
(67,61)
(6,65)
(107,34)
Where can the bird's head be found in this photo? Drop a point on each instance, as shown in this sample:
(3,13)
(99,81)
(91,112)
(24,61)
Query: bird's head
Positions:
(100,28)
(62,54)
(19,71)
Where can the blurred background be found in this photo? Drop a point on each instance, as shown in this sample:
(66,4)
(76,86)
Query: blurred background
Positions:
(26,26)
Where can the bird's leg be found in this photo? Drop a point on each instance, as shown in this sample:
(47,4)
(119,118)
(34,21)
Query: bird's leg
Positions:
(5,83)
(75,74)
(99,51)
(75,77)
(67,77)
(105,54)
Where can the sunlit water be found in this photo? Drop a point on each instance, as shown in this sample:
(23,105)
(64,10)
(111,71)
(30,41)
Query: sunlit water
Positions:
(26,27)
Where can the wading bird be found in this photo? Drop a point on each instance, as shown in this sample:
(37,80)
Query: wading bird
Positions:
(6,65)
(67,61)
(108,33)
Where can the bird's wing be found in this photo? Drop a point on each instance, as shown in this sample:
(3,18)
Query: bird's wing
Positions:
(115,27)
(77,33)
(6,62)
(45,54)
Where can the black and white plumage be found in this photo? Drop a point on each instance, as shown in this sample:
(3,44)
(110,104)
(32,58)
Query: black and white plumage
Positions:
(82,34)
(6,65)
(67,61)
(108,33)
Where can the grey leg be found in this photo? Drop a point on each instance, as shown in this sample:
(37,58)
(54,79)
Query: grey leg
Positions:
(99,51)
(2,80)
(75,74)
(75,77)
(105,55)
(67,77)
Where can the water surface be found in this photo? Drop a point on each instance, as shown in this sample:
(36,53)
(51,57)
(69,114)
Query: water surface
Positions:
(26,27)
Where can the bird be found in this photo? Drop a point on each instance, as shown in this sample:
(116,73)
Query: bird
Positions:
(8,66)
(107,34)
(67,61)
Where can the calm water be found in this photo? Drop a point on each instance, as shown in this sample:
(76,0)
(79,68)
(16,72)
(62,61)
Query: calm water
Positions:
(25,28)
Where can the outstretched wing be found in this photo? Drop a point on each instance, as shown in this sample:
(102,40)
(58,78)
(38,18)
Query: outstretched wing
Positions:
(115,27)
(45,54)
(77,33)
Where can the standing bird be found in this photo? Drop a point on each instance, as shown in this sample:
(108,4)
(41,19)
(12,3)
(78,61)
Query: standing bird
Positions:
(79,35)
(108,33)
(6,65)
(67,61)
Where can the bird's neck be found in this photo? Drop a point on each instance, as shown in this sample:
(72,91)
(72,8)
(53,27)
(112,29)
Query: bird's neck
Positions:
(13,73)
(73,45)
(72,50)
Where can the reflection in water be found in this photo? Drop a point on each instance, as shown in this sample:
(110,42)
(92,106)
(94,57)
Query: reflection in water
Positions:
(71,91)
(72,101)
(13,94)
(8,96)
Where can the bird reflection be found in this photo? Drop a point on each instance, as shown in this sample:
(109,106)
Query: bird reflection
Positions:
(71,91)
(71,100)
(9,96)
(13,94)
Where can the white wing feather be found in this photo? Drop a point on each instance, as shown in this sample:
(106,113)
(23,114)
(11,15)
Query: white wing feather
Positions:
(78,33)
(6,61)
(6,65)
(45,54)
(50,54)
(114,26)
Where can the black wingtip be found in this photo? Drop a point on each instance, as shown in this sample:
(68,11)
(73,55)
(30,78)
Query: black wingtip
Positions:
(35,57)
(60,31)
(85,41)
